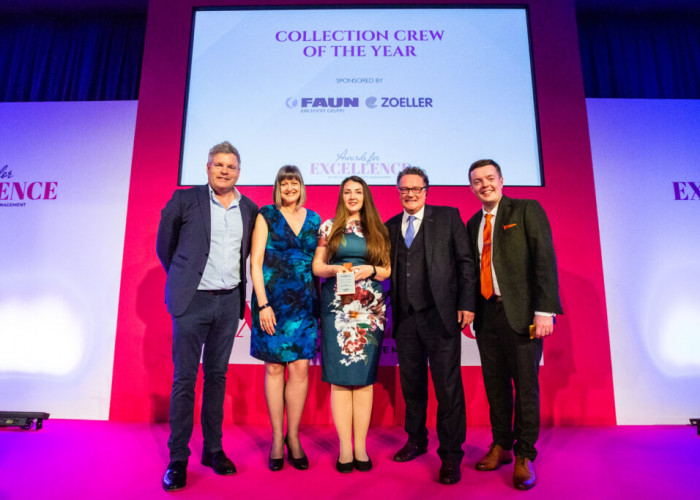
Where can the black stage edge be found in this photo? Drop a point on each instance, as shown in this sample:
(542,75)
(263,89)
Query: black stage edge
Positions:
(23,419)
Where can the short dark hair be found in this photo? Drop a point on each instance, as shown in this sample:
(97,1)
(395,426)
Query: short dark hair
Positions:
(413,170)
(225,148)
(484,163)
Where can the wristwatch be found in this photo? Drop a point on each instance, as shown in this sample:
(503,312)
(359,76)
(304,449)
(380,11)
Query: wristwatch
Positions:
(374,273)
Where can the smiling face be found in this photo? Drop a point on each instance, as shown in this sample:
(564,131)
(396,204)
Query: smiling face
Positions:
(413,193)
(353,197)
(223,172)
(487,184)
(290,191)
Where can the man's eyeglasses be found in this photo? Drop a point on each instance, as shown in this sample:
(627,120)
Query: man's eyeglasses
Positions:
(416,190)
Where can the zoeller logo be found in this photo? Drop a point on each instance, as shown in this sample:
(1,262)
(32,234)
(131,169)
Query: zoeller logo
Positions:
(399,102)
(407,102)
(17,193)
(685,191)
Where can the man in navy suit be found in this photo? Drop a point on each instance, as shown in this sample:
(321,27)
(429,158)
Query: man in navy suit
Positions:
(517,287)
(203,243)
(432,294)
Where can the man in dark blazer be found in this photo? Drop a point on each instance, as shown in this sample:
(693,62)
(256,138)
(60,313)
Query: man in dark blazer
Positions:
(432,294)
(203,243)
(517,298)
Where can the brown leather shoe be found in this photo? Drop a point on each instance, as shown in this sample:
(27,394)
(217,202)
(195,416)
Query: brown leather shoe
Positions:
(495,457)
(523,474)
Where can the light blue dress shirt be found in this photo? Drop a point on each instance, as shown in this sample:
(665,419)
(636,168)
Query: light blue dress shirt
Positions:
(223,269)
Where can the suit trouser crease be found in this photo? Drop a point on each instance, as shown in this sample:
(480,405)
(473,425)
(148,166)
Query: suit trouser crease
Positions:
(510,367)
(206,331)
(421,338)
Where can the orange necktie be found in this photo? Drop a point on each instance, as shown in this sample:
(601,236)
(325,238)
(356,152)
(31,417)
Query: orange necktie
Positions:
(486,279)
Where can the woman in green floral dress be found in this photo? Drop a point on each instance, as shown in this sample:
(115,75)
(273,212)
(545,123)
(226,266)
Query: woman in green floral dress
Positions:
(354,241)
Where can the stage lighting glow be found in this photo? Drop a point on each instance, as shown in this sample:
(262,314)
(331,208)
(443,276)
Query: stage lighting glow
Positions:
(40,336)
(679,339)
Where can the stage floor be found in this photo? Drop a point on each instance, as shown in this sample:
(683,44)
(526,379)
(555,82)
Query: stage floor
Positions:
(71,459)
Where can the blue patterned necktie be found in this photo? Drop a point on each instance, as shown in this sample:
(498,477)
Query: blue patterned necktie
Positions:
(410,232)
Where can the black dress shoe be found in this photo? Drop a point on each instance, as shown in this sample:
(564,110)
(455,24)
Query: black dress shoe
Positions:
(175,477)
(362,466)
(410,451)
(449,472)
(298,463)
(344,467)
(219,462)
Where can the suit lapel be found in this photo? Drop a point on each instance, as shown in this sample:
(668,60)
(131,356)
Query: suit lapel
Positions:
(502,218)
(246,216)
(394,226)
(475,234)
(205,210)
(428,233)
(397,240)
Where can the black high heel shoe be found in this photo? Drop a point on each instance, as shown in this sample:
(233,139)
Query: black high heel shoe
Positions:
(362,466)
(275,464)
(298,463)
(344,467)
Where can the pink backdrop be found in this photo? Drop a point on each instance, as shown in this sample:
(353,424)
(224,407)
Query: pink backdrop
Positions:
(576,377)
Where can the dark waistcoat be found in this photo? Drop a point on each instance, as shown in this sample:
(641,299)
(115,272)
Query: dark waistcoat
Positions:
(412,275)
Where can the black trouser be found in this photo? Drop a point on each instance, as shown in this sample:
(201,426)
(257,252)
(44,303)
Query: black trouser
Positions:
(421,338)
(210,324)
(510,364)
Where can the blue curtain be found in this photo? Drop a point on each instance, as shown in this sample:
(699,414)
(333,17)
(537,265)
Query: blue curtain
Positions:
(99,58)
(640,56)
(71,59)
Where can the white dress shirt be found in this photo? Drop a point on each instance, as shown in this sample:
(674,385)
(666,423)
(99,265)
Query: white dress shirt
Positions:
(416,222)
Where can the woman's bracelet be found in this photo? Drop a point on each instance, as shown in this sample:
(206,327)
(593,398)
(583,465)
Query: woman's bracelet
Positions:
(265,305)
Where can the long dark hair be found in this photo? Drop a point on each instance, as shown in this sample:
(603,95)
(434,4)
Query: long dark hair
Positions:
(373,229)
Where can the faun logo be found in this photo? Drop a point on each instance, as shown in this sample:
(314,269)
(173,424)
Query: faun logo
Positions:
(330,102)
(686,191)
(16,193)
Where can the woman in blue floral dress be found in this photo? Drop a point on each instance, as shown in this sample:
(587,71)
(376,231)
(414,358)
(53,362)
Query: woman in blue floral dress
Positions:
(352,325)
(284,309)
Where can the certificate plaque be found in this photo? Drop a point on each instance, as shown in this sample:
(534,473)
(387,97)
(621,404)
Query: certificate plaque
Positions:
(345,283)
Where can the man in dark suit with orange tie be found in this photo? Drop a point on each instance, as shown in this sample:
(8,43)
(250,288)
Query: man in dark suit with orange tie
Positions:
(518,287)
(203,243)
(432,294)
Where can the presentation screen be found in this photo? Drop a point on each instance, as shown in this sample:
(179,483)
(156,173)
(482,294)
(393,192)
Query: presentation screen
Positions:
(368,92)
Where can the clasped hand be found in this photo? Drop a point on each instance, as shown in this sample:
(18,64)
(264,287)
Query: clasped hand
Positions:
(362,272)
